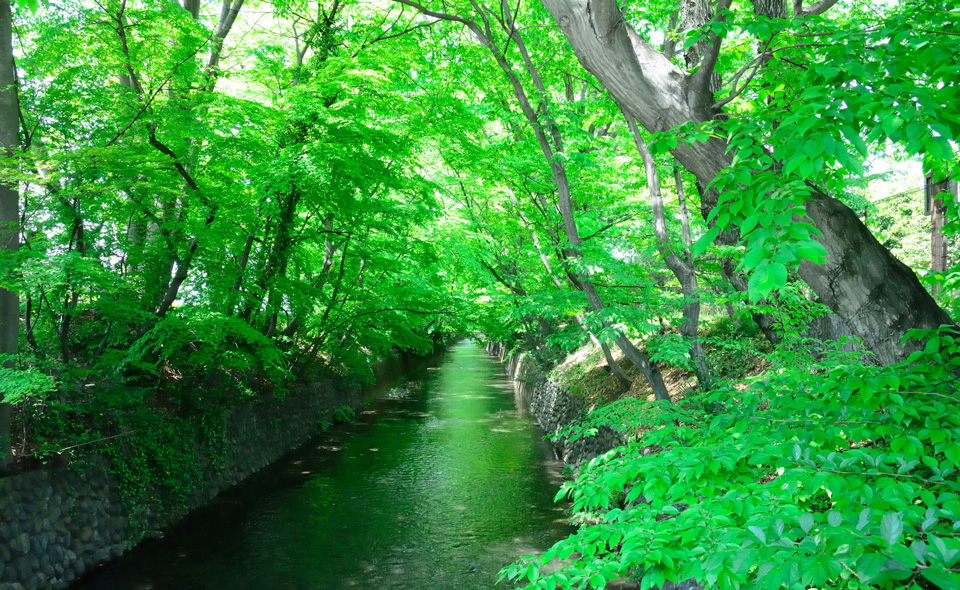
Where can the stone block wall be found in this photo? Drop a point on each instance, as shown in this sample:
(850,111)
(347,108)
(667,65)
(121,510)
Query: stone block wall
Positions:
(553,407)
(58,523)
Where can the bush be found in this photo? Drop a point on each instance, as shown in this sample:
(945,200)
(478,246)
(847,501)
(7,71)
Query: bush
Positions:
(830,476)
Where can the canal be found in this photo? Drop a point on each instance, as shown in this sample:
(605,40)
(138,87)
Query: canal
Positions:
(441,482)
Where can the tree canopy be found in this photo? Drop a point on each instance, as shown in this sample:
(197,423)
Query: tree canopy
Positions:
(236,197)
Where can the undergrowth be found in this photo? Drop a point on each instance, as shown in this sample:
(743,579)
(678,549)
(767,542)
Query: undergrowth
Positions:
(826,474)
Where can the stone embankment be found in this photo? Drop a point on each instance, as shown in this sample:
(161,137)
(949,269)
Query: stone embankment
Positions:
(58,523)
(553,407)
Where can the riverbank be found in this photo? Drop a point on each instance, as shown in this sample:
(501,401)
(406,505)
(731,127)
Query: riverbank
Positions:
(554,407)
(437,484)
(68,517)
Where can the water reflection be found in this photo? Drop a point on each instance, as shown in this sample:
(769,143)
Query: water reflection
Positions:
(440,485)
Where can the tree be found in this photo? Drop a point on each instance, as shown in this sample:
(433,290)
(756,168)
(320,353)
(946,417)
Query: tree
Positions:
(9,210)
(241,234)
(879,297)
(485,23)
(682,268)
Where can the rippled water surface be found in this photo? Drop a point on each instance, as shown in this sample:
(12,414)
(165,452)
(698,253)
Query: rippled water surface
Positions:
(443,481)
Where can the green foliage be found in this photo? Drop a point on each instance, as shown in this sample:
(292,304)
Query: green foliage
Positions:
(344,414)
(671,349)
(158,461)
(734,346)
(630,416)
(206,238)
(844,479)
(191,235)
(19,383)
(204,343)
(873,82)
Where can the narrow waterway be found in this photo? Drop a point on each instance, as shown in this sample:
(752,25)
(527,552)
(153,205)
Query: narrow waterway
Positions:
(439,484)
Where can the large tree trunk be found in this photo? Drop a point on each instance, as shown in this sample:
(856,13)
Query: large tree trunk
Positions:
(878,296)
(9,209)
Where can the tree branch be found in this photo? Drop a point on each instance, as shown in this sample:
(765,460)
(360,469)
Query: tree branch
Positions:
(700,81)
(473,26)
(500,279)
(818,8)
(669,48)
(756,63)
(404,32)
(612,223)
(184,173)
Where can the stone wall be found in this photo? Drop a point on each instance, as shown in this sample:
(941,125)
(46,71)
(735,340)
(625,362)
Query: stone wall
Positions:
(58,523)
(553,407)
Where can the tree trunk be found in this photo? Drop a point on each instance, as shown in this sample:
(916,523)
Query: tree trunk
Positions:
(277,259)
(193,7)
(234,295)
(693,15)
(938,241)
(938,212)
(637,357)
(612,364)
(682,269)
(622,378)
(770,8)
(878,296)
(78,244)
(329,249)
(228,15)
(9,209)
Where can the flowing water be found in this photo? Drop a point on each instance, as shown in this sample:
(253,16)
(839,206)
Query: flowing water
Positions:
(439,484)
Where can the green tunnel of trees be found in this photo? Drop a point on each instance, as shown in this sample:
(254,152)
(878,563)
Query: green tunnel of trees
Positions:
(229,198)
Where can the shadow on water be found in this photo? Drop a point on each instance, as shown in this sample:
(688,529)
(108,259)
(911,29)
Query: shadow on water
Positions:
(439,484)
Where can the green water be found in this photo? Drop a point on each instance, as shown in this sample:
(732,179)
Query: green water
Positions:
(443,481)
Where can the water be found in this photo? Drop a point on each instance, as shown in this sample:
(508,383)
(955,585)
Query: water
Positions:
(442,482)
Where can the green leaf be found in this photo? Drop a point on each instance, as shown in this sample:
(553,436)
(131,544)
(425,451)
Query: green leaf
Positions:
(891,527)
(813,147)
(807,522)
(891,123)
(812,251)
(765,278)
(758,532)
(750,222)
(705,240)
(870,566)
(943,579)
(952,452)
(31,5)
(919,549)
